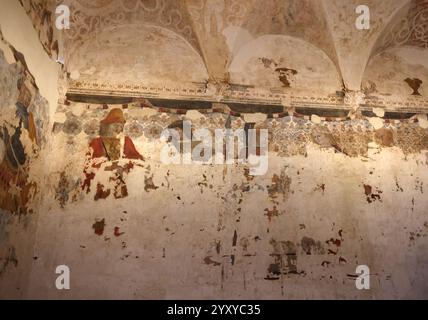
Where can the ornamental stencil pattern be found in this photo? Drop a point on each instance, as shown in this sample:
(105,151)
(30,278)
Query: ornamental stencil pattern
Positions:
(412,30)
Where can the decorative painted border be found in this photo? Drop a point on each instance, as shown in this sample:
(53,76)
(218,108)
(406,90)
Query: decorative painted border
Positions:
(226,94)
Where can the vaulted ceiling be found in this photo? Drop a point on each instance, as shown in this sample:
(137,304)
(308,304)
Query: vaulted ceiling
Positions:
(241,49)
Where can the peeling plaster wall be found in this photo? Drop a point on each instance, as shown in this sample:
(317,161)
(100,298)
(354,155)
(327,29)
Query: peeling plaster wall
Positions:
(261,63)
(397,72)
(18,30)
(19,105)
(352,46)
(26,78)
(336,195)
(170,58)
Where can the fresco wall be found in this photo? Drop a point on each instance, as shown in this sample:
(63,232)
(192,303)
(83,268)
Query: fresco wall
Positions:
(337,194)
(23,126)
(83,185)
(28,96)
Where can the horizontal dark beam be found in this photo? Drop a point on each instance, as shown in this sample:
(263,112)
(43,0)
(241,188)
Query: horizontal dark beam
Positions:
(174,104)
(390,115)
(244,107)
(96,99)
(323,112)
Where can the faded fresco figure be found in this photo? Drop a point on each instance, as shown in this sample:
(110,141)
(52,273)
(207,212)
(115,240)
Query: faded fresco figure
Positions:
(112,146)
(16,189)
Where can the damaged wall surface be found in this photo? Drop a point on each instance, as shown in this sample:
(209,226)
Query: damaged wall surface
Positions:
(24,124)
(82,182)
(336,195)
(23,128)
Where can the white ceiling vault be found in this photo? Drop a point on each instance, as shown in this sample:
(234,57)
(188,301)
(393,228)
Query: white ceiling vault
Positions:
(271,52)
